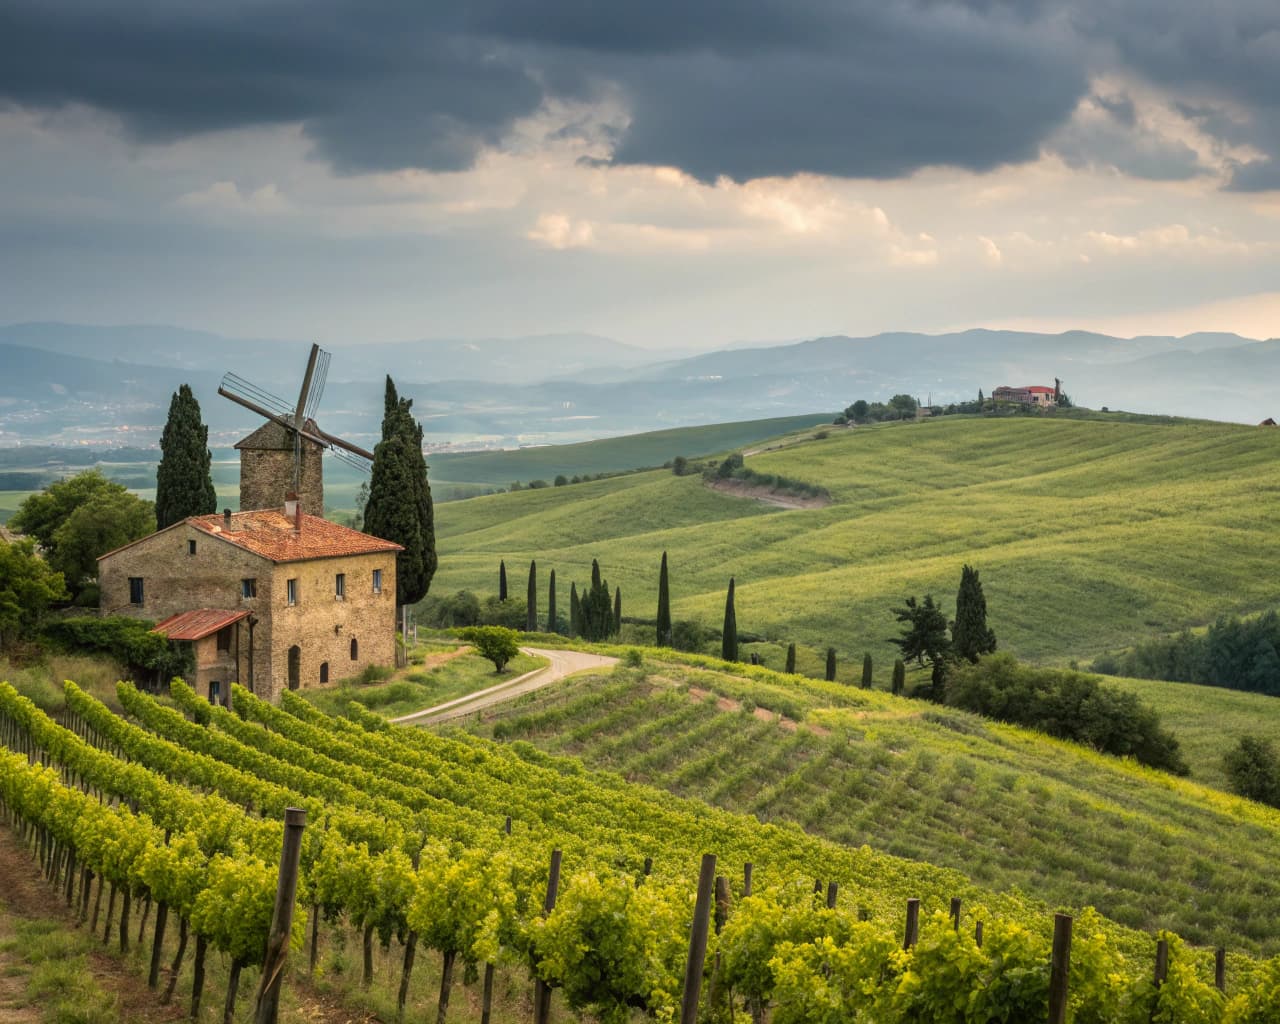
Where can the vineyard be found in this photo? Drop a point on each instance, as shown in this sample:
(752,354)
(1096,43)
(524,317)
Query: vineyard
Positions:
(504,860)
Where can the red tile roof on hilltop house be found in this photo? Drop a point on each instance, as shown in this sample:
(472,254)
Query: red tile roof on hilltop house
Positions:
(198,624)
(275,536)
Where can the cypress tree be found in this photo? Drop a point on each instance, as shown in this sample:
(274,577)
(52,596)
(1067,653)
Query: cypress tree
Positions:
(899,676)
(184,479)
(553,626)
(664,606)
(575,611)
(729,642)
(970,637)
(617,611)
(866,671)
(595,612)
(831,664)
(502,580)
(791,659)
(531,600)
(399,507)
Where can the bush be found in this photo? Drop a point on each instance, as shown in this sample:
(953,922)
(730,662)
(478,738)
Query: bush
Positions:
(128,640)
(634,657)
(680,466)
(510,614)
(1066,704)
(687,635)
(496,643)
(1253,770)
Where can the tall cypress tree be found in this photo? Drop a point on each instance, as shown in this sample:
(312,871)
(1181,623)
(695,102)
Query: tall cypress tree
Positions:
(791,659)
(866,671)
(184,479)
(502,580)
(552,625)
(664,606)
(575,611)
(970,637)
(617,611)
(729,642)
(831,664)
(899,676)
(595,609)
(399,507)
(531,600)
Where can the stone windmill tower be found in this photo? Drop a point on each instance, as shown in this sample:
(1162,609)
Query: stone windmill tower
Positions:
(283,456)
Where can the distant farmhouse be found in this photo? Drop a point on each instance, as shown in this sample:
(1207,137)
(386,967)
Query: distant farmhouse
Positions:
(1032,394)
(274,596)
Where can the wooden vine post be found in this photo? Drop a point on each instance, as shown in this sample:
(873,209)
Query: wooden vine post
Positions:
(541,990)
(698,941)
(1060,969)
(913,924)
(268,1005)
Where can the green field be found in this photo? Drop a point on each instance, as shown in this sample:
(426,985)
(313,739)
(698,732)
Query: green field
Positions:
(1089,534)
(1008,807)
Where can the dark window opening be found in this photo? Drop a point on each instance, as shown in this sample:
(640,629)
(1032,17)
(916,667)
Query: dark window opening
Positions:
(324,671)
(191,547)
(377,581)
(224,638)
(249,588)
(135,590)
(291,588)
(340,585)
(295,666)
(355,649)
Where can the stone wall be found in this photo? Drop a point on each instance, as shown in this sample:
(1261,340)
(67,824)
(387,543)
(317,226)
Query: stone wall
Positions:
(266,470)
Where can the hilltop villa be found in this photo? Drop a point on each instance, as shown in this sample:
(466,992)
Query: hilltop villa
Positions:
(1033,394)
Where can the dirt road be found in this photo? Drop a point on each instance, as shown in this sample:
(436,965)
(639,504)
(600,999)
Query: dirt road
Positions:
(562,663)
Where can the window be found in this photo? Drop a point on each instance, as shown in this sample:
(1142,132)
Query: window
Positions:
(224,638)
(291,591)
(355,649)
(340,585)
(324,671)
(135,590)
(249,588)
(377,581)
(191,547)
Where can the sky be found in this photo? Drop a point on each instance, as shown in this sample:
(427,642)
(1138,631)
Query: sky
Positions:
(665,173)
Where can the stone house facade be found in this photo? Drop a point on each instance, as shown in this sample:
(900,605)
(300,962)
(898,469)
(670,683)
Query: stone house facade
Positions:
(272,599)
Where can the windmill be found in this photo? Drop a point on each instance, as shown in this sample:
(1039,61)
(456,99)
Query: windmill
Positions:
(283,455)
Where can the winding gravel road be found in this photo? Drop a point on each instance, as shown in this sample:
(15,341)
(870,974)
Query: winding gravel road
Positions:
(562,664)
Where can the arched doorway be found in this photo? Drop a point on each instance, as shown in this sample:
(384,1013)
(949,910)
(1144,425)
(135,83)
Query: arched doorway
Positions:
(324,671)
(295,666)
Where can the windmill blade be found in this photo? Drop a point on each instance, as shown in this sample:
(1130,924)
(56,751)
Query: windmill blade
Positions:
(306,385)
(336,442)
(354,461)
(285,421)
(317,385)
(240,390)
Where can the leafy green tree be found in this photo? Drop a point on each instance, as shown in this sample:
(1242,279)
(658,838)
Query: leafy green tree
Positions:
(497,643)
(41,514)
(575,611)
(970,636)
(1253,769)
(617,610)
(680,466)
(899,677)
(858,411)
(184,478)
(502,580)
(399,507)
(553,622)
(664,605)
(924,637)
(831,665)
(729,636)
(791,659)
(866,671)
(361,503)
(531,601)
(905,405)
(595,609)
(27,587)
(561,480)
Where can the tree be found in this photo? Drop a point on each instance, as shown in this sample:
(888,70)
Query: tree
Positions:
(361,503)
(899,676)
(729,640)
(27,587)
(831,665)
(970,637)
(497,643)
(924,637)
(1253,769)
(561,480)
(664,605)
(791,659)
(184,479)
(108,520)
(866,671)
(531,601)
(41,514)
(617,610)
(553,624)
(904,405)
(859,410)
(595,609)
(399,507)
(575,611)
(680,466)
(502,580)
(980,398)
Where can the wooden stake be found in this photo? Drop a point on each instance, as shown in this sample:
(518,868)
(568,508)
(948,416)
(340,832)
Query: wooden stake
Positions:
(1162,962)
(698,941)
(955,912)
(1220,969)
(541,990)
(268,1001)
(1060,969)
(746,879)
(833,890)
(913,924)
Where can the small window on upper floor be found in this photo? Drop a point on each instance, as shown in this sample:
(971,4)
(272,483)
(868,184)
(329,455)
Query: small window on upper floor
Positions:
(224,638)
(249,587)
(135,590)
(191,547)
(291,591)
(340,585)
(377,581)
(355,649)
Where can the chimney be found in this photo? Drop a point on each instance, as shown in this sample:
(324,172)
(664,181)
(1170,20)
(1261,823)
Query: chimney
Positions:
(226,520)
(293,509)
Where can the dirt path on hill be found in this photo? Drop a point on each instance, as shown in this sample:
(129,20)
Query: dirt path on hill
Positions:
(766,496)
(436,660)
(562,664)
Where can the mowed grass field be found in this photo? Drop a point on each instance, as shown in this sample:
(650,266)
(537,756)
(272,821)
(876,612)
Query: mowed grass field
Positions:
(1007,807)
(1089,535)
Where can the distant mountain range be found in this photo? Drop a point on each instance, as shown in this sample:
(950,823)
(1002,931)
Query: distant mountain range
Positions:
(68,383)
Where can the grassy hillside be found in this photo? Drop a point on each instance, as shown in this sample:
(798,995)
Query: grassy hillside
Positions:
(1089,534)
(1008,807)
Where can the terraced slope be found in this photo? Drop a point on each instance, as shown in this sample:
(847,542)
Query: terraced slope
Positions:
(1008,807)
(1090,534)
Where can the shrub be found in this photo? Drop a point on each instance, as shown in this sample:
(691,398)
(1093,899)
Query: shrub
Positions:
(128,640)
(634,657)
(687,635)
(511,613)
(496,643)
(680,465)
(1253,769)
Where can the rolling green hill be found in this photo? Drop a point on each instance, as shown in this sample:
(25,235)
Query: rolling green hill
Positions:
(1089,534)
(1008,807)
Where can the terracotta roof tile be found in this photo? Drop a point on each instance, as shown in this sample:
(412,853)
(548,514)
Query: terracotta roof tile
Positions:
(198,624)
(270,533)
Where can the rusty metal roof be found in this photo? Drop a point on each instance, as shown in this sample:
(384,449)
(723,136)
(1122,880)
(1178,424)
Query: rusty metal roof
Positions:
(198,624)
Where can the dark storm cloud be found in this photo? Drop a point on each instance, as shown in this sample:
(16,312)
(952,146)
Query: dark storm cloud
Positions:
(736,87)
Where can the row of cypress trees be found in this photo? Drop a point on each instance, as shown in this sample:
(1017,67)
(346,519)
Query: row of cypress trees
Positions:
(595,615)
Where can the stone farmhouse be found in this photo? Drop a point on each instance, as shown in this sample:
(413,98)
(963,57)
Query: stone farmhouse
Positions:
(1033,394)
(268,598)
